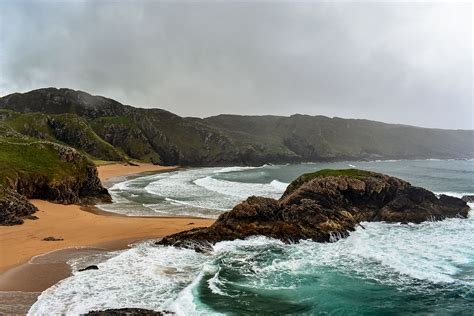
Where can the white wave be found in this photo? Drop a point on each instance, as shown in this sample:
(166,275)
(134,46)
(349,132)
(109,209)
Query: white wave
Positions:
(279,186)
(234,169)
(241,190)
(352,166)
(178,202)
(168,278)
(455,194)
(142,277)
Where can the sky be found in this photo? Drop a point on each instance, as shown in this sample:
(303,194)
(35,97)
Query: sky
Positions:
(397,62)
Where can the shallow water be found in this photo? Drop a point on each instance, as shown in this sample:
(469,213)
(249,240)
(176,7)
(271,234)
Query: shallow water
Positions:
(385,269)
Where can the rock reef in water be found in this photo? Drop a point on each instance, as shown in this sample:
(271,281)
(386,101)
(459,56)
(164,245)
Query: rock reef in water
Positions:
(324,206)
(127,312)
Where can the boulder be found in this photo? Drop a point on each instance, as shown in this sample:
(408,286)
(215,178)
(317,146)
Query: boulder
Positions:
(92,267)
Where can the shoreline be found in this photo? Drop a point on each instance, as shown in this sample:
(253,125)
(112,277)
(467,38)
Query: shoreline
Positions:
(81,229)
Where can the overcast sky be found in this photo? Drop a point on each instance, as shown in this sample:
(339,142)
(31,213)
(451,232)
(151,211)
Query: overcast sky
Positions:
(405,62)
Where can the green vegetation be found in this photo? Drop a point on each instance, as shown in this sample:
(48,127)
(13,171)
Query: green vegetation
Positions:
(24,159)
(351,173)
(68,129)
(108,130)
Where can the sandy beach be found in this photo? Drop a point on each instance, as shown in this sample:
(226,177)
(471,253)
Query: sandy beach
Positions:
(78,228)
(106,172)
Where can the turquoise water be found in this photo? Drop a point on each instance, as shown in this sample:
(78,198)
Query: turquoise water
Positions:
(385,269)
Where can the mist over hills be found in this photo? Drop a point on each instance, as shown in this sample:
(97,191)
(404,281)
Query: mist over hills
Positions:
(108,130)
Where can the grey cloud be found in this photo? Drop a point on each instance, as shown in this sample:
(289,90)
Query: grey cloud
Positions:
(407,63)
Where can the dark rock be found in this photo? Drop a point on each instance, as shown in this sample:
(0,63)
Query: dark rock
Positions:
(51,238)
(324,208)
(92,267)
(32,217)
(128,312)
(14,207)
(468,198)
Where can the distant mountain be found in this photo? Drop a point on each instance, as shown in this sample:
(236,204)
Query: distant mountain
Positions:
(106,129)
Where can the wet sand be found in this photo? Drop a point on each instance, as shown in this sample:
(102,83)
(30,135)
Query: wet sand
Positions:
(29,264)
(106,172)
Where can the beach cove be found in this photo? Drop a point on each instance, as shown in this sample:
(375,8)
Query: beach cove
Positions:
(29,264)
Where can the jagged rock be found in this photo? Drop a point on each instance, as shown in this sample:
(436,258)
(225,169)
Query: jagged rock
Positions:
(128,312)
(14,207)
(92,267)
(468,198)
(323,206)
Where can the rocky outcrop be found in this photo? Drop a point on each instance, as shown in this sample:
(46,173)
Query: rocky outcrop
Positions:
(81,186)
(44,170)
(324,206)
(127,312)
(14,208)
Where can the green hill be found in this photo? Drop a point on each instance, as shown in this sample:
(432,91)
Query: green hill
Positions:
(108,130)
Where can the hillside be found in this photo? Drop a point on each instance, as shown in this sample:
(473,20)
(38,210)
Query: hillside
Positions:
(108,130)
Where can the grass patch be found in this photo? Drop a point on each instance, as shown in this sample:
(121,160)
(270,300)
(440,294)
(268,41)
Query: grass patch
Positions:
(37,160)
(352,173)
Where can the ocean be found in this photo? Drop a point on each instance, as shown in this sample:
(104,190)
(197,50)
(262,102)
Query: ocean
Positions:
(384,269)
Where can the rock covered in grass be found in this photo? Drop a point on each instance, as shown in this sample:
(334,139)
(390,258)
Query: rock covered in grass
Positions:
(44,170)
(324,206)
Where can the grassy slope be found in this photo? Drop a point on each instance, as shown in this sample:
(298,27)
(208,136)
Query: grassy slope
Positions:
(153,134)
(124,133)
(25,158)
(68,129)
(352,173)
(322,138)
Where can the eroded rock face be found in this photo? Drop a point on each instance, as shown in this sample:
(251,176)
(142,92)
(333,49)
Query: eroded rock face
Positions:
(82,186)
(70,179)
(14,207)
(323,208)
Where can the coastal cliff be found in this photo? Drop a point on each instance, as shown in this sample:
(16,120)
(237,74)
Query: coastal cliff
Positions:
(32,169)
(324,206)
(108,130)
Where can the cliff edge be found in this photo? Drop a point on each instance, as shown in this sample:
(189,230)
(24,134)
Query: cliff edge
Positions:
(32,169)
